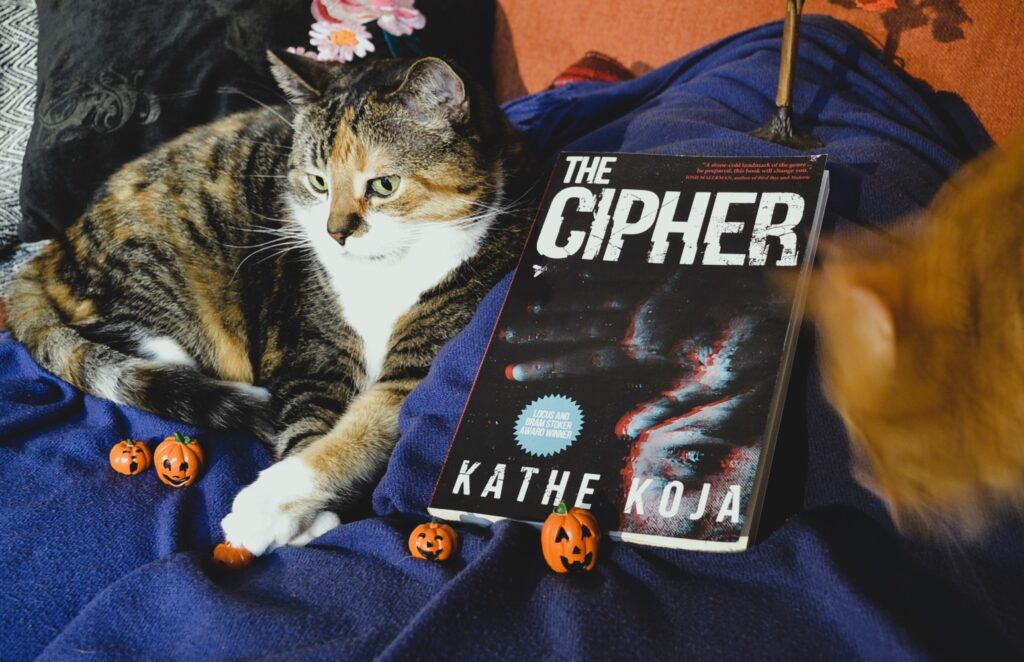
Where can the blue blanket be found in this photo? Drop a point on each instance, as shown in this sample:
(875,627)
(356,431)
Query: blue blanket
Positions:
(101,566)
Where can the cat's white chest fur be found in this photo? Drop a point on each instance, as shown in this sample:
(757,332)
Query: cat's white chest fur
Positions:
(373,297)
(375,293)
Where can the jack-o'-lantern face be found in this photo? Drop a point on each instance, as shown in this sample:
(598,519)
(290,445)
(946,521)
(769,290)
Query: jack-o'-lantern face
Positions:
(130,457)
(433,541)
(178,460)
(570,539)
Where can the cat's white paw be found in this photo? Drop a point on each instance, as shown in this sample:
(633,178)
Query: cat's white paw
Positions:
(322,523)
(283,506)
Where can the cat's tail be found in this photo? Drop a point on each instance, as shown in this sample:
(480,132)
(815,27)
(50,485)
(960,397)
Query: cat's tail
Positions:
(174,391)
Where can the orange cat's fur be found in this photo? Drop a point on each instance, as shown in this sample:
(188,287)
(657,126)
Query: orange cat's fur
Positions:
(922,350)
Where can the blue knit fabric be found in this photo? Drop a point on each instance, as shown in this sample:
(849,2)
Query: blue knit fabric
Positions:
(98,565)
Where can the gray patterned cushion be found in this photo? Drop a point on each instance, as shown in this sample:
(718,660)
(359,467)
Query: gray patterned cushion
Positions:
(18,37)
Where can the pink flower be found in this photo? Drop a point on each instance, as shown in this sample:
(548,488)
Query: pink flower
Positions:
(319,12)
(398,17)
(341,11)
(341,41)
(340,34)
(299,50)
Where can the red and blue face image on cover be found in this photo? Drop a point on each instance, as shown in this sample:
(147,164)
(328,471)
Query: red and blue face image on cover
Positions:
(683,390)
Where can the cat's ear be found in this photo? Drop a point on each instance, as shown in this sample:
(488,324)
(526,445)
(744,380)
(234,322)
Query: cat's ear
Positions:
(301,78)
(432,88)
(872,327)
(852,314)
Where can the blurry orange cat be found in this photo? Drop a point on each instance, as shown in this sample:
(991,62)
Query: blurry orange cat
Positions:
(922,349)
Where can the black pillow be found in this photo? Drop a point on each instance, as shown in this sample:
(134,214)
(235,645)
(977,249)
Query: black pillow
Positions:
(119,77)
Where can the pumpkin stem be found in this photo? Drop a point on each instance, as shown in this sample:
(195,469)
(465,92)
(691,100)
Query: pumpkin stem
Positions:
(182,438)
(561,508)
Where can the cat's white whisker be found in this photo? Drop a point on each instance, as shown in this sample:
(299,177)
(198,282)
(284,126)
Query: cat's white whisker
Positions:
(270,230)
(286,234)
(270,242)
(283,221)
(277,234)
(287,242)
(235,90)
(279,253)
(263,249)
(519,203)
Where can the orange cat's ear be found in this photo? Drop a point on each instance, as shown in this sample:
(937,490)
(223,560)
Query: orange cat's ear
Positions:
(871,326)
(852,318)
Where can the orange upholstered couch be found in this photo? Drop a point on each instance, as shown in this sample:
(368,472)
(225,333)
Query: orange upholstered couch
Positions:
(970,47)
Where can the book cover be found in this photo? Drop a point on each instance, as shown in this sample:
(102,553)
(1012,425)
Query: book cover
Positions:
(639,364)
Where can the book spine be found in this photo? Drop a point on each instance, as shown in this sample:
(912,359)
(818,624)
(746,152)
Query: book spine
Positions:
(796,315)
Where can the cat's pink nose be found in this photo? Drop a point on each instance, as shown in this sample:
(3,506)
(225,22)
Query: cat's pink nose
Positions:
(339,237)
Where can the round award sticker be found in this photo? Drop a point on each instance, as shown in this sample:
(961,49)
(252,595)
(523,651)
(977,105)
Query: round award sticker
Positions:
(549,425)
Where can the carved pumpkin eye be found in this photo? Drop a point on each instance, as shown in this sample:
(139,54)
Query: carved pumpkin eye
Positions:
(183,467)
(586,531)
(422,535)
(562,535)
(167,464)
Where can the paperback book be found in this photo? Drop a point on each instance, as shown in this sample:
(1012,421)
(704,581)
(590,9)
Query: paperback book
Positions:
(639,365)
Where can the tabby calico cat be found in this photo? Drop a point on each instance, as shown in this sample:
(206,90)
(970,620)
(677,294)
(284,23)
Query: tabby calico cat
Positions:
(293,271)
(922,334)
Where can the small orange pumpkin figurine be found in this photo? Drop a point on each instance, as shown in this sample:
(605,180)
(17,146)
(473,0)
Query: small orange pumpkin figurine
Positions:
(130,457)
(231,556)
(179,459)
(433,541)
(569,539)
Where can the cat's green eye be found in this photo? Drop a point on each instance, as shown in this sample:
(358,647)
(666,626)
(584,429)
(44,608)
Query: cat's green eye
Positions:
(384,186)
(318,183)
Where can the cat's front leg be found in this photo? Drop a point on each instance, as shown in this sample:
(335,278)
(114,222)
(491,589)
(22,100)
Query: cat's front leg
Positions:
(288,504)
(284,506)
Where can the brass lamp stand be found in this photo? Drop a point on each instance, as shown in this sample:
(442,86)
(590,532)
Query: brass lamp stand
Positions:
(779,128)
